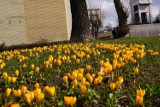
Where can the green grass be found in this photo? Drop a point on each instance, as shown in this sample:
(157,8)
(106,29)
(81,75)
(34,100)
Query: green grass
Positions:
(95,96)
(149,78)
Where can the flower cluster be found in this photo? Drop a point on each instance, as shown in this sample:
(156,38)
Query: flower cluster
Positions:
(139,97)
(70,73)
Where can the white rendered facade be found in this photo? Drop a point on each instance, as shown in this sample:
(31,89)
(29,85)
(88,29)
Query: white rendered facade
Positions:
(141,11)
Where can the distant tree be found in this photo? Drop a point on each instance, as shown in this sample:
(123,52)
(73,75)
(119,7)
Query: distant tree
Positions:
(157,19)
(80,20)
(123,28)
(95,21)
(96,17)
(109,27)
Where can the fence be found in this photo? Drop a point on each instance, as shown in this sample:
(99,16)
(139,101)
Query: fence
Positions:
(145,30)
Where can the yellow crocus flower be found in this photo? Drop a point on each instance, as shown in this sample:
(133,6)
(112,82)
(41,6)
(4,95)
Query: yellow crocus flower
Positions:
(9,79)
(120,79)
(40,97)
(32,67)
(74,74)
(16,73)
(83,80)
(140,92)
(75,83)
(81,70)
(93,75)
(65,78)
(59,62)
(150,51)
(96,81)
(100,78)
(88,67)
(24,66)
(13,79)
(1,66)
(51,91)
(100,73)
(77,61)
(17,93)
(83,89)
(29,97)
(72,101)
(112,86)
(79,76)
(37,92)
(8,92)
(136,70)
(155,53)
(46,88)
(101,62)
(23,90)
(36,69)
(5,75)
(36,85)
(89,77)
(67,100)
(139,100)
(15,105)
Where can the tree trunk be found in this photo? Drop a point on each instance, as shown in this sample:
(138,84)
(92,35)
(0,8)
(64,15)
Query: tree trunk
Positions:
(122,12)
(80,20)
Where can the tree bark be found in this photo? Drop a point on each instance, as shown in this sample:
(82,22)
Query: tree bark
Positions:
(80,20)
(122,12)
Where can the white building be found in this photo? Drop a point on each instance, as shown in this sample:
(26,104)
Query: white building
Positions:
(141,11)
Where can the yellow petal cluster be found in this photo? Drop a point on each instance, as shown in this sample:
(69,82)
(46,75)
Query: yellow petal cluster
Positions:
(29,97)
(8,92)
(15,105)
(23,90)
(50,90)
(5,75)
(39,96)
(112,85)
(69,100)
(16,73)
(139,97)
(17,93)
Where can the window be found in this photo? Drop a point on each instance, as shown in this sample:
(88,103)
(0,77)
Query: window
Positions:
(135,8)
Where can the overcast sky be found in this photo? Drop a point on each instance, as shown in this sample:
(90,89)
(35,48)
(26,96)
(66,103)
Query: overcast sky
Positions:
(108,9)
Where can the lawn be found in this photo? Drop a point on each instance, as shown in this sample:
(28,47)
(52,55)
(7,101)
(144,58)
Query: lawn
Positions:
(122,72)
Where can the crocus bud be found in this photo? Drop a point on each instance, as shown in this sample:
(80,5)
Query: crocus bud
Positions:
(112,86)
(83,89)
(16,73)
(65,78)
(5,75)
(8,92)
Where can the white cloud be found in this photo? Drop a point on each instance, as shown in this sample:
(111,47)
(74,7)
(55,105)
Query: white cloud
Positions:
(155,11)
(109,11)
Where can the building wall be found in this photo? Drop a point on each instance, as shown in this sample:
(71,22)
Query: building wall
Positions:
(31,21)
(68,17)
(12,26)
(144,6)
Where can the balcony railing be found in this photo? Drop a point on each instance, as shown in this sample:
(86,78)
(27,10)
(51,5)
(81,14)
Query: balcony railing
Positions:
(136,2)
(145,1)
